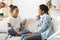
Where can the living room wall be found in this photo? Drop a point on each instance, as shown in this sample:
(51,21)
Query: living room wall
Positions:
(28,8)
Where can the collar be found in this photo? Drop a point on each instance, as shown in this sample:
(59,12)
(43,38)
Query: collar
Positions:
(43,15)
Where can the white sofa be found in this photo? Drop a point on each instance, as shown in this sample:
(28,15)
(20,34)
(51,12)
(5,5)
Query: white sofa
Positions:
(31,24)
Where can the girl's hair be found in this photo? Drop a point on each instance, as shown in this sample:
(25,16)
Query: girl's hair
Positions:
(12,7)
(44,8)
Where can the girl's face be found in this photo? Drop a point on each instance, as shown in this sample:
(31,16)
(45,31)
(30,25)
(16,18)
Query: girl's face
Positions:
(40,12)
(15,12)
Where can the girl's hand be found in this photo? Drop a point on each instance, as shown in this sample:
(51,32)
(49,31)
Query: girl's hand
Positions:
(9,24)
(27,35)
(33,33)
(19,33)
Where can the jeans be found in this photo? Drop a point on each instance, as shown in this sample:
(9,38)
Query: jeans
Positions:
(33,37)
(13,33)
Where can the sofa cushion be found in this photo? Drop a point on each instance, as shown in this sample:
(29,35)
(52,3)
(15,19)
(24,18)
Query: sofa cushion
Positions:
(31,24)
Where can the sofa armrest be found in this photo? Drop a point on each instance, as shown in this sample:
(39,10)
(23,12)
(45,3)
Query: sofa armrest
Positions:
(3,36)
(54,35)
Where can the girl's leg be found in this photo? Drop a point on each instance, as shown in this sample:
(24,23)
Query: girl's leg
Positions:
(22,37)
(12,32)
(33,37)
(23,32)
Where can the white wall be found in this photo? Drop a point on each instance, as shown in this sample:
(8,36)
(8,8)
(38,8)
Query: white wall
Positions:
(56,3)
(28,8)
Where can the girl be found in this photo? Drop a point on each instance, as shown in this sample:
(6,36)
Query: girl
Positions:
(14,21)
(45,27)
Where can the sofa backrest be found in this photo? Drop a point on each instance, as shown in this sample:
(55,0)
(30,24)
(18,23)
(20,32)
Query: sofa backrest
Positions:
(31,24)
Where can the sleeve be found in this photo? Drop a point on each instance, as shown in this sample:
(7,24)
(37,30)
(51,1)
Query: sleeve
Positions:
(44,24)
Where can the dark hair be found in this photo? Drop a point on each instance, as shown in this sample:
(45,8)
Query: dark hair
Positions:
(44,8)
(12,7)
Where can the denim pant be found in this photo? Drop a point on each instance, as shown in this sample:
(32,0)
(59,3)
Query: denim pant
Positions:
(33,37)
(13,33)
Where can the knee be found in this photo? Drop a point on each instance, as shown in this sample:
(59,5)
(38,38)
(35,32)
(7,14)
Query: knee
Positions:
(23,36)
(28,38)
(25,31)
(10,31)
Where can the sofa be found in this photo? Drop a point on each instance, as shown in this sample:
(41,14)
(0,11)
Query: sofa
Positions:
(31,24)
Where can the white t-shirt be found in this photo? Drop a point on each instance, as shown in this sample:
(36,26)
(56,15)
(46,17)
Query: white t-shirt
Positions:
(15,22)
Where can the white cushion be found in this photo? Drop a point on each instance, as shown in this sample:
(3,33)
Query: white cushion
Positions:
(31,24)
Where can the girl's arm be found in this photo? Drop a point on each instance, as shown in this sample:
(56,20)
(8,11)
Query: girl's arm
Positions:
(9,24)
(22,26)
